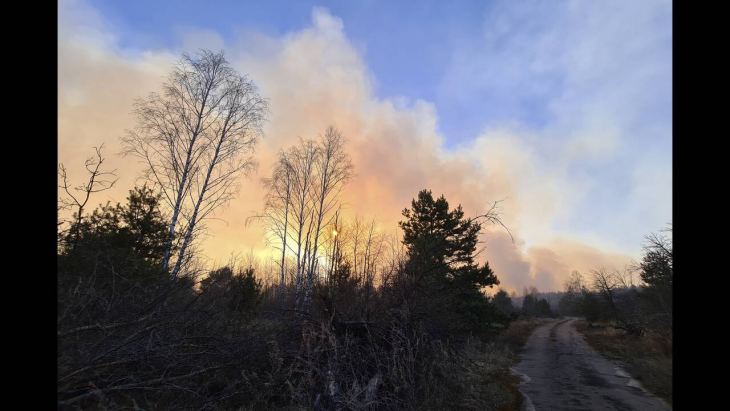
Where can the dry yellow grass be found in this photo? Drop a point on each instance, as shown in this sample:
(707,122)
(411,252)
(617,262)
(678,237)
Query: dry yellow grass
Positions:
(516,335)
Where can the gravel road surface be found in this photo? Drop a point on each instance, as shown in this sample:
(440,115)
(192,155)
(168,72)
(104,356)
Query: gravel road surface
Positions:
(560,371)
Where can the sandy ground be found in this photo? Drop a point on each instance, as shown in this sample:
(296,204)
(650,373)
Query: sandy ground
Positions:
(560,371)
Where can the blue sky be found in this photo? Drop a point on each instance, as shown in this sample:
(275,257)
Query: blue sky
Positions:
(407,45)
(564,105)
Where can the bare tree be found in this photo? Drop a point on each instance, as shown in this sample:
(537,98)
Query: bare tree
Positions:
(362,246)
(301,204)
(333,168)
(303,158)
(371,259)
(76,198)
(195,138)
(606,283)
(625,278)
(613,286)
(575,284)
(277,203)
(335,238)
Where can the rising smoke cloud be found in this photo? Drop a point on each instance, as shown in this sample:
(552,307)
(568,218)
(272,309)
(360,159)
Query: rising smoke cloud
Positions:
(313,78)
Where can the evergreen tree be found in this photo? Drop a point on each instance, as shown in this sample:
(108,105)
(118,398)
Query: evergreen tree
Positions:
(238,294)
(657,271)
(127,239)
(441,246)
(529,305)
(543,308)
(503,302)
(145,224)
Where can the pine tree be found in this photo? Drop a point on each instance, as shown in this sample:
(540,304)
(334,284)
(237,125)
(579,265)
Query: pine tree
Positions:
(128,238)
(503,302)
(441,246)
(657,271)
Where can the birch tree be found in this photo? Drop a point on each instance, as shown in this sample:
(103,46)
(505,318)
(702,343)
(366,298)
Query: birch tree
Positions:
(334,168)
(195,138)
(302,199)
(280,187)
(303,158)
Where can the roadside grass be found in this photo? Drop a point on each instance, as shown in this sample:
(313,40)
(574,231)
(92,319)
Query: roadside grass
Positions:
(516,335)
(648,358)
(489,384)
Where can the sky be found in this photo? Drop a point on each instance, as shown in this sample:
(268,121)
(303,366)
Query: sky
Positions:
(562,109)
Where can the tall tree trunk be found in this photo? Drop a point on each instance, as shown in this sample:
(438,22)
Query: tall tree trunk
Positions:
(194,218)
(183,182)
(282,277)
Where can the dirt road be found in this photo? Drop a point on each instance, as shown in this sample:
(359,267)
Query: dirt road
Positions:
(561,371)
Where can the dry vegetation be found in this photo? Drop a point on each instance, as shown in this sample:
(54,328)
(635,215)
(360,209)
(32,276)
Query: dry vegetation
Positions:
(130,336)
(516,335)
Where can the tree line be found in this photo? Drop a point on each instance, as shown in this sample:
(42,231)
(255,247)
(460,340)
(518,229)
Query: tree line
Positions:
(637,298)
